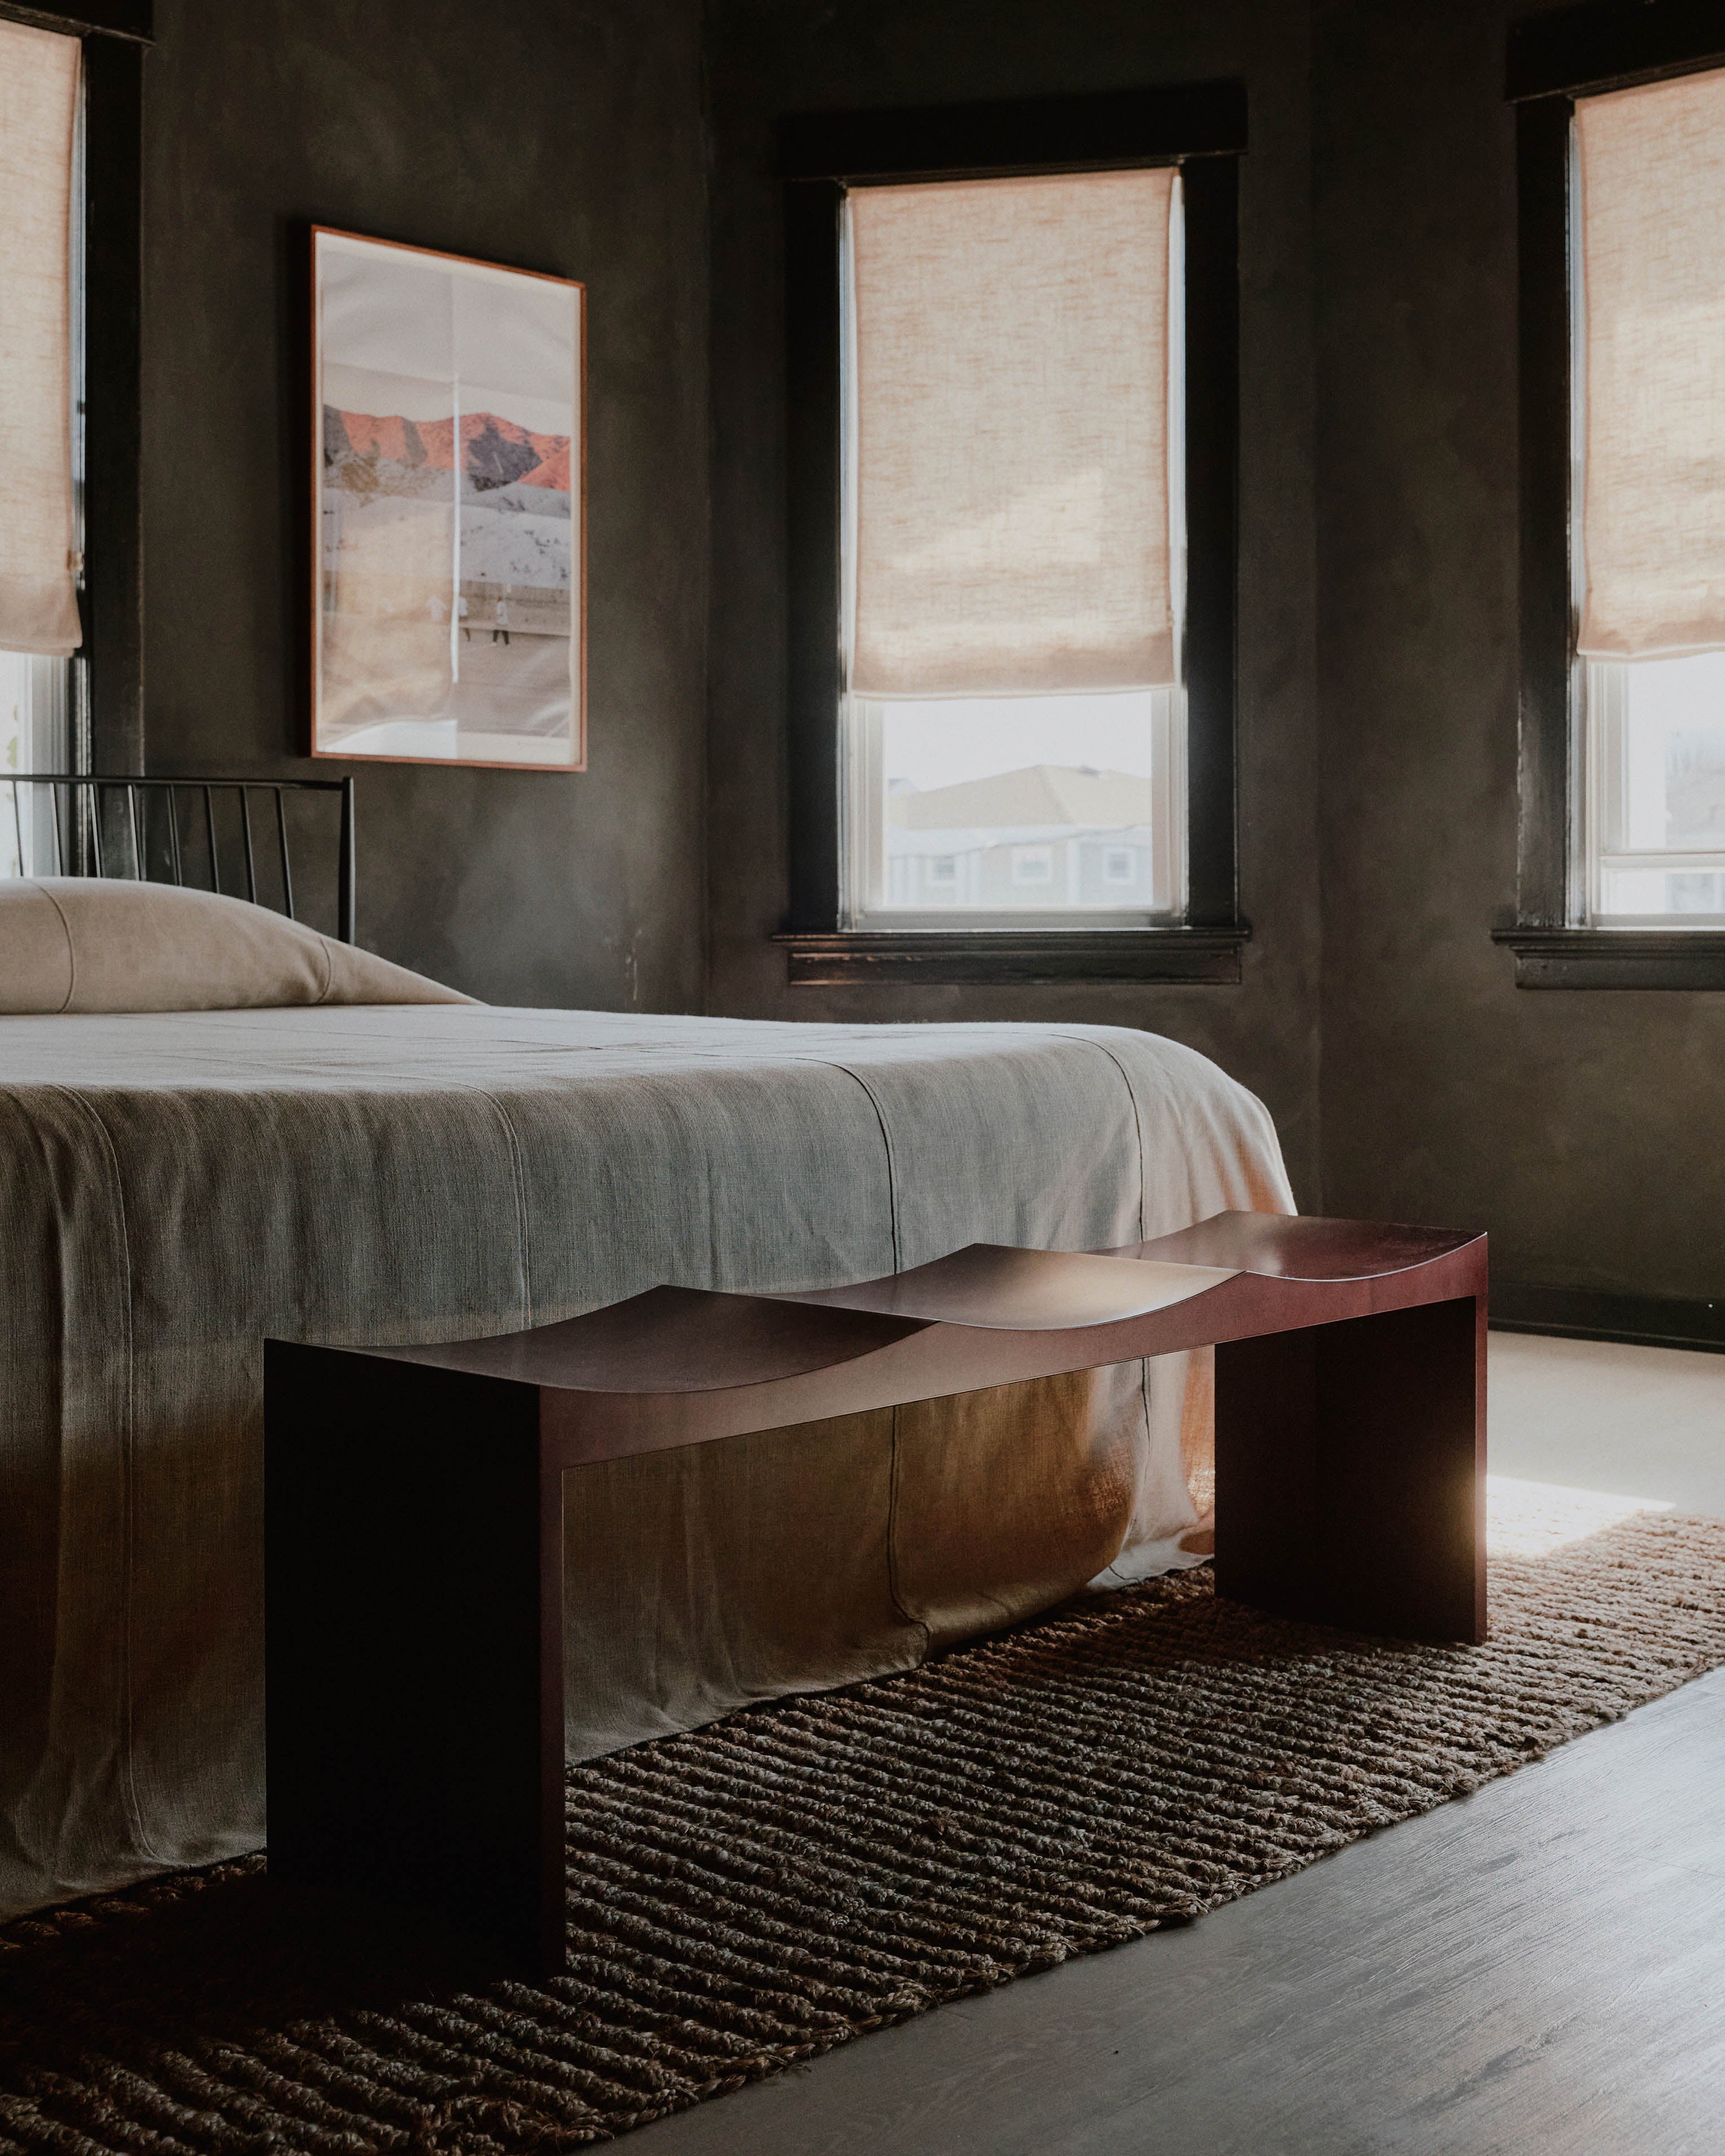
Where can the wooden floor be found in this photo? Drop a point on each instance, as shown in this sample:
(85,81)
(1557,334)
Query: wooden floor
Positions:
(1591,1414)
(1539,1966)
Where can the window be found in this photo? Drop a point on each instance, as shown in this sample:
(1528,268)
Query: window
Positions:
(1015,539)
(1013,536)
(41,165)
(1622,228)
(1647,363)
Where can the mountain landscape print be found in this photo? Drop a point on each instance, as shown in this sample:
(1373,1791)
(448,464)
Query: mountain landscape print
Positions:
(450,544)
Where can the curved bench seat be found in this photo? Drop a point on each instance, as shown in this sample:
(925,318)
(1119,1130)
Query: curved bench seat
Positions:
(415,1496)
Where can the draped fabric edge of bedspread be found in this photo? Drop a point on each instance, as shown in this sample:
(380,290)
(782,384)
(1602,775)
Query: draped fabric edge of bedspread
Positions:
(175,1189)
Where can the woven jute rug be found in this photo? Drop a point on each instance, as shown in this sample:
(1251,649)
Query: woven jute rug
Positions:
(758,1892)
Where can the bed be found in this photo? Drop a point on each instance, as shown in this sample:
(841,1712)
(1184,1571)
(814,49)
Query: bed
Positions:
(179,1182)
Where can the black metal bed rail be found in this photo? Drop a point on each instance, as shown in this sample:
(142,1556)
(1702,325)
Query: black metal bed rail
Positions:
(77,801)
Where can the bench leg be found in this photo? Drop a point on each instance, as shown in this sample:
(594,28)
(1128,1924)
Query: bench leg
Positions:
(1350,1472)
(411,1723)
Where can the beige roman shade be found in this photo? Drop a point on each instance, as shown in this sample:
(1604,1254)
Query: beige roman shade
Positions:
(1652,175)
(38,108)
(1009,486)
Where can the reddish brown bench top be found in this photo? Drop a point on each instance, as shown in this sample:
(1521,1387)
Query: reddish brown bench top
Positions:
(676,1366)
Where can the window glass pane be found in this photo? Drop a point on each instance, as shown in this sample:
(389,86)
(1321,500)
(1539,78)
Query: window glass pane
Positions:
(1657,761)
(1674,727)
(33,737)
(1695,894)
(1691,900)
(1056,803)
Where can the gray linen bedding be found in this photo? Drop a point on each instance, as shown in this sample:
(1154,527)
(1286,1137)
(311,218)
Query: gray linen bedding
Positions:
(174,1188)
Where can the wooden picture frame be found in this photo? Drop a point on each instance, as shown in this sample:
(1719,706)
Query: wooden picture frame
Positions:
(449,509)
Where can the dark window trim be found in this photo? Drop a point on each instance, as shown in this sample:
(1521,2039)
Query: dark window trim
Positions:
(1552,58)
(1580,51)
(1542,161)
(1212,189)
(1201,127)
(1012,957)
(814,414)
(113,397)
(115,18)
(1616,957)
(1105,130)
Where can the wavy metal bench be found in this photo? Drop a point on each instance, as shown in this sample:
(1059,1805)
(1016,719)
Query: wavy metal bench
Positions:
(415,1498)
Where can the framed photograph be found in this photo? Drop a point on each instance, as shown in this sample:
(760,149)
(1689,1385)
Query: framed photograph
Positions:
(448,452)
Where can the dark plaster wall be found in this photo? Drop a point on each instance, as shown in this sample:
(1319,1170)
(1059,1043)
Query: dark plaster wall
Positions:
(1378,717)
(1584,1129)
(567,138)
(1409,1076)
(773,56)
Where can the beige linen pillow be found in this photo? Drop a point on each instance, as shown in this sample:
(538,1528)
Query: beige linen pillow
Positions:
(96,943)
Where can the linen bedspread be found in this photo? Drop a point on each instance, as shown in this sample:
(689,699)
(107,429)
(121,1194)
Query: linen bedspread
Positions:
(177,1187)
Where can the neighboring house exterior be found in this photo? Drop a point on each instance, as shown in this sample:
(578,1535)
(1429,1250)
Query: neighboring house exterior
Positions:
(1049,836)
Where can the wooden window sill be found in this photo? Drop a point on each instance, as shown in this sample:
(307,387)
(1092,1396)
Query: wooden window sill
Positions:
(1616,957)
(1012,957)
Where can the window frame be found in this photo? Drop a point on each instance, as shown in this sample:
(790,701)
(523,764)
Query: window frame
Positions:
(106,715)
(1203,129)
(1553,60)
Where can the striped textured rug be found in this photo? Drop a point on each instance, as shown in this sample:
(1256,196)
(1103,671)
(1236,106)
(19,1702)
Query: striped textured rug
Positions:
(748,1895)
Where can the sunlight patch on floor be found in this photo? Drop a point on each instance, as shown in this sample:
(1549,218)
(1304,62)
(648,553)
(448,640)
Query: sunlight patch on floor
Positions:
(1533,1519)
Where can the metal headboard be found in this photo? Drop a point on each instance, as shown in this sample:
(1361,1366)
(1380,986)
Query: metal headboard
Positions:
(82,803)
